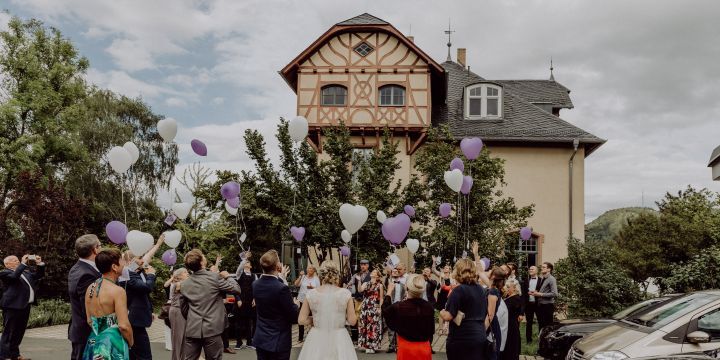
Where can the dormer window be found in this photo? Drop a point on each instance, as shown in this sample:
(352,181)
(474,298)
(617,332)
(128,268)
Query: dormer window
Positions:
(334,95)
(483,101)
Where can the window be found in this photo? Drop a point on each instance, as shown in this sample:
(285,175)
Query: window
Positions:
(363,49)
(334,95)
(671,310)
(710,323)
(483,101)
(392,95)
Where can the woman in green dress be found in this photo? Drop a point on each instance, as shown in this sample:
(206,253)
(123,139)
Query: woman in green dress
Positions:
(107,313)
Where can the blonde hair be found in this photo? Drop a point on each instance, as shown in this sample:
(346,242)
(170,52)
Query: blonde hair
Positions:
(329,273)
(513,284)
(465,272)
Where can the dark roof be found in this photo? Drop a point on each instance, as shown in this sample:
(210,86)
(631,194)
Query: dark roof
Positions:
(364,19)
(714,157)
(521,122)
(540,92)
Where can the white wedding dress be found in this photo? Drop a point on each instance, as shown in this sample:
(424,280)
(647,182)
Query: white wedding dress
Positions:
(328,339)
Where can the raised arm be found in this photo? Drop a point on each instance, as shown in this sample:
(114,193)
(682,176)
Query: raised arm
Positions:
(228,285)
(434,267)
(10,276)
(150,254)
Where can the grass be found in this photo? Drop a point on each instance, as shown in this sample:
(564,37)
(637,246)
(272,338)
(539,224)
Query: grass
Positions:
(47,313)
(525,348)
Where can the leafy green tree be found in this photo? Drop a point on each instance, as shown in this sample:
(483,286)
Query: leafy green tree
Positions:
(702,272)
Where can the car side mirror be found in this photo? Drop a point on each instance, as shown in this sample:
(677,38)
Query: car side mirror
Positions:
(698,337)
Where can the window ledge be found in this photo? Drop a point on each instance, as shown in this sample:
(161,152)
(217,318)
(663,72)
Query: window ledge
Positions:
(391,105)
(494,118)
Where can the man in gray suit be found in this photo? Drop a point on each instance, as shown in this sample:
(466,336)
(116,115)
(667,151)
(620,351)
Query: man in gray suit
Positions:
(204,292)
(546,296)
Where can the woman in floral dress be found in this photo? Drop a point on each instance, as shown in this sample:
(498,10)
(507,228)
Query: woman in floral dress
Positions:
(370,326)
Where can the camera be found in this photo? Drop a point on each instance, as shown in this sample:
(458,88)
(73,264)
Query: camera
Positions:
(32,259)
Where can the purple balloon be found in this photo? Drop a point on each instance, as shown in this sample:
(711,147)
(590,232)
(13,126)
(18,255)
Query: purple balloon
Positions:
(471,147)
(466,185)
(395,229)
(233,202)
(198,147)
(409,210)
(486,262)
(345,251)
(525,233)
(169,257)
(457,163)
(230,190)
(116,232)
(445,209)
(298,233)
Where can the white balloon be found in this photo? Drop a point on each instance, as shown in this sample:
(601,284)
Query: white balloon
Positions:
(139,242)
(439,260)
(381,217)
(167,128)
(353,217)
(120,159)
(243,237)
(172,238)
(230,209)
(298,128)
(394,259)
(413,245)
(346,237)
(454,179)
(133,150)
(182,210)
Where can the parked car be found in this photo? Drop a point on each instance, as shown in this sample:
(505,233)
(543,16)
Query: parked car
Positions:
(686,325)
(555,340)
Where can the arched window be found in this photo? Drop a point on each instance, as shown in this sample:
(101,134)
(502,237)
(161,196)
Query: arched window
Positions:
(483,101)
(334,95)
(392,95)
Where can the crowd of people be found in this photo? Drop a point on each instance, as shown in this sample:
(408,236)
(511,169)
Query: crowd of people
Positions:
(480,307)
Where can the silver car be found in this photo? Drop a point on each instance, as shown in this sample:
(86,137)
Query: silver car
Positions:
(689,324)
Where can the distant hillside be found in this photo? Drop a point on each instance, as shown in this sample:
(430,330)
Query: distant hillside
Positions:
(607,225)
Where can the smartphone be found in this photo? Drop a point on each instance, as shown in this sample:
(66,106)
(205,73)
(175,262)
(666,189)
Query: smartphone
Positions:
(32,257)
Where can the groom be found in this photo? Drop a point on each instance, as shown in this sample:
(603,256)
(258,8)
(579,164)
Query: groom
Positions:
(276,311)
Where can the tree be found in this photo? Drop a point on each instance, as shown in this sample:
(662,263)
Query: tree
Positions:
(702,272)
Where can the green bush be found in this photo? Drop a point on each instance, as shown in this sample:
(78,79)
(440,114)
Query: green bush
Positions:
(47,313)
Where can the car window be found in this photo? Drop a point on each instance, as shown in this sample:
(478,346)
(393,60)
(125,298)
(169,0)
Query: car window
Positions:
(636,308)
(710,323)
(671,310)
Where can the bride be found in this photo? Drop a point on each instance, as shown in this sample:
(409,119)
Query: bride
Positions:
(332,308)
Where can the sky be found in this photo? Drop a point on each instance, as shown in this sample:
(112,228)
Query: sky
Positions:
(645,75)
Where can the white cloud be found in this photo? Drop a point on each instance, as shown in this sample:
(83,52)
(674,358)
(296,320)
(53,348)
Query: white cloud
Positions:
(175,102)
(4,20)
(218,100)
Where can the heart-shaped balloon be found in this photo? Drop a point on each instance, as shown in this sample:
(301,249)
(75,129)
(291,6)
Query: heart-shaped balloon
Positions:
(243,237)
(445,209)
(231,210)
(298,128)
(172,238)
(167,128)
(457,163)
(182,209)
(234,202)
(198,147)
(345,251)
(471,147)
(409,210)
(133,150)
(454,179)
(525,233)
(120,159)
(139,242)
(413,245)
(353,217)
(395,229)
(116,232)
(298,233)
(466,185)
(230,190)
(346,236)
(381,217)
(169,257)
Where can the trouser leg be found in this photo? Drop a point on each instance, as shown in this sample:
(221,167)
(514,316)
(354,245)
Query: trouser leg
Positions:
(141,348)
(213,347)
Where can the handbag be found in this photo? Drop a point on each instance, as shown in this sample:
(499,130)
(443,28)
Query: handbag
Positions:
(164,311)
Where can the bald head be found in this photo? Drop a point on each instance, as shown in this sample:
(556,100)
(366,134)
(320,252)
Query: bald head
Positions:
(11,262)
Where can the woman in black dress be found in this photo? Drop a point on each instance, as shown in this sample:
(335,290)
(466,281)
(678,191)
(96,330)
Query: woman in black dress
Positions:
(513,301)
(445,284)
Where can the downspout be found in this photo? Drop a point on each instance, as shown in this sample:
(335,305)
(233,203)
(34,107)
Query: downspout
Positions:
(576,142)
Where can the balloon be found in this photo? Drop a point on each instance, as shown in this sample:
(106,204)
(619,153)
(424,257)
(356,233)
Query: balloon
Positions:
(466,185)
(394,260)
(409,210)
(445,210)
(182,210)
(298,233)
(456,163)
(172,238)
(381,217)
(454,179)
(133,150)
(139,242)
(471,147)
(243,237)
(167,128)
(353,217)
(298,128)
(486,263)
(525,233)
(231,210)
(116,232)
(345,251)
(413,245)
(169,257)
(120,159)
(198,147)
(346,236)
(229,190)
(439,260)
(233,202)
(396,228)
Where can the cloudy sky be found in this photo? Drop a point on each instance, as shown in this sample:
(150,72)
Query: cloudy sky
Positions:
(644,74)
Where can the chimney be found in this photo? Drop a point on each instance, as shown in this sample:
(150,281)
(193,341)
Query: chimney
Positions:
(411,38)
(461,56)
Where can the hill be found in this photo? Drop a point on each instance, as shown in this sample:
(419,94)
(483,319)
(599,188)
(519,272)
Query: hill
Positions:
(607,225)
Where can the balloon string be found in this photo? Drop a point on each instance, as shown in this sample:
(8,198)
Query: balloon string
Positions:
(292,210)
(242,218)
(122,196)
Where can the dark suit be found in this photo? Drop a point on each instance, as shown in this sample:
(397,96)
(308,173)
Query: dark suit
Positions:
(15,305)
(276,313)
(140,312)
(529,307)
(80,277)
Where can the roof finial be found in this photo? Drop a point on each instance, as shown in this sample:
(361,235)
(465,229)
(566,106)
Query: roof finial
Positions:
(552,77)
(449,32)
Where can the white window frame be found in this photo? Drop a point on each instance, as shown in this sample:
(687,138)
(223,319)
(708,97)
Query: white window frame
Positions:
(394,88)
(483,101)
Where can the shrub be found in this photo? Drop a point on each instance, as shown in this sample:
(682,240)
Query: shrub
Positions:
(47,313)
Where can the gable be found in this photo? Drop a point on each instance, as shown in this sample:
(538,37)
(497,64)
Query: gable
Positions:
(387,51)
